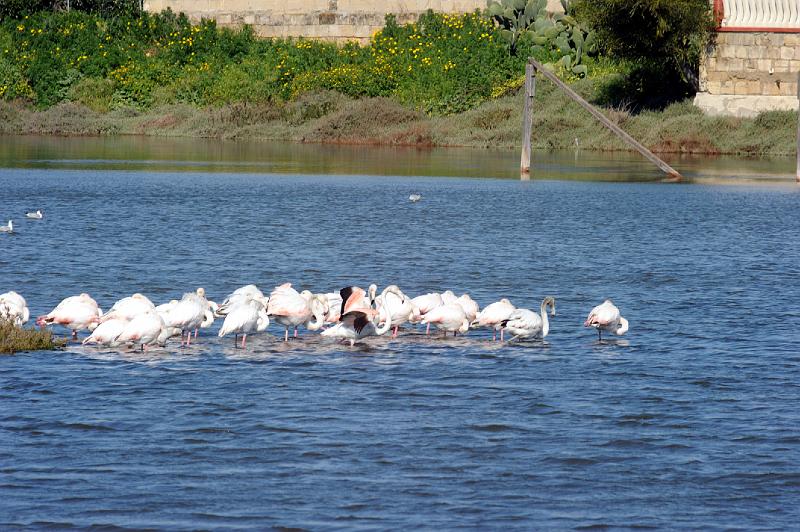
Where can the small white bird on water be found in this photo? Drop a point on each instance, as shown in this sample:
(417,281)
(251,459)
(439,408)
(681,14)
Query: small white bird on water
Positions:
(606,317)
(34,215)
(7,228)
(413,198)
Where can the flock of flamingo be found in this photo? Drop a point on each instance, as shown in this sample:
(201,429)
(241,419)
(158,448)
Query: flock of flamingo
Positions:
(348,315)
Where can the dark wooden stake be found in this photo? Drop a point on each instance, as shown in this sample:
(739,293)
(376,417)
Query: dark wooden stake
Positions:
(527,121)
(667,169)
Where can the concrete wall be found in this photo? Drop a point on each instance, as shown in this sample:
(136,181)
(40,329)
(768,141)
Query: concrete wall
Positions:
(746,73)
(337,20)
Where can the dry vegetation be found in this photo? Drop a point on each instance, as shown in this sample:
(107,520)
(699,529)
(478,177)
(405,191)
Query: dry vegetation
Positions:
(330,117)
(14,339)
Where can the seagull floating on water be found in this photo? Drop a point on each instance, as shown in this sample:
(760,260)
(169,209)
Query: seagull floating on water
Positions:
(7,228)
(413,198)
(34,215)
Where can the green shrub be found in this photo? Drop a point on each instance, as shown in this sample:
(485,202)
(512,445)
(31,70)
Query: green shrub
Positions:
(668,33)
(94,93)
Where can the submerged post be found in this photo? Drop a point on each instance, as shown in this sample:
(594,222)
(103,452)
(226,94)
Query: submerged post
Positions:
(527,121)
(667,169)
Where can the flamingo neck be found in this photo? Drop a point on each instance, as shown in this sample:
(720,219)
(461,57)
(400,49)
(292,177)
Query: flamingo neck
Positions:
(387,324)
(545,320)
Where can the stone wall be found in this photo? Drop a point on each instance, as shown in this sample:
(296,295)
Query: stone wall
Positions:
(746,73)
(337,20)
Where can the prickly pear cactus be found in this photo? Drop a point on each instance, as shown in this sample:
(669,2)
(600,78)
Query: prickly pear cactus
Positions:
(553,35)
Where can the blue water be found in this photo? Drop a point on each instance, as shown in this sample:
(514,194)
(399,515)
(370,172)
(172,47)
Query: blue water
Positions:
(690,421)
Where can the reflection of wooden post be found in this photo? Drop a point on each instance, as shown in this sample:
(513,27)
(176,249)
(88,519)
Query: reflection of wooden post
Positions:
(527,121)
(667,169)
(798,128)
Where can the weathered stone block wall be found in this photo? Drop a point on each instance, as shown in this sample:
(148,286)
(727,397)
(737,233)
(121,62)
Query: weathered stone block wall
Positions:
(753,64)
(337,20)
(746,73)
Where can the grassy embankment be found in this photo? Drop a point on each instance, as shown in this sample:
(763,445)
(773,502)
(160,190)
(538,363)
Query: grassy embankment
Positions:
(444,81)
(14,339)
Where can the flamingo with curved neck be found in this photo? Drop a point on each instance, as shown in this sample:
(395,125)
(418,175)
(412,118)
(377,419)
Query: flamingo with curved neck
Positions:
(525,323)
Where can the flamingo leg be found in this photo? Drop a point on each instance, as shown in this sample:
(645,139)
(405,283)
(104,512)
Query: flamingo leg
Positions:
(494,335)
(501,334)
(74,334)
(188,338)
(235,339)
(195,333)
(286,335)
(244,338)
(599,334)
(295,332)
(394,334)
(428,329)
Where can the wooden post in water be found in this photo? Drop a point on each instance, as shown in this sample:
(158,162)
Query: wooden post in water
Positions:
(527,121)
(667,169)
(797,177)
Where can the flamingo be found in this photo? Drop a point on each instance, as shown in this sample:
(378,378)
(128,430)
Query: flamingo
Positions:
(34,215)
(14,308)
(75,312)
(187,314)
(470,307)
(245,318)
(334,307)
(358,319)
(143,330)
(493,315)
(424,304)
(210,310)
(168,331)
(606,317)
(7,228)
(448,317)
(107,333)
(291,309)
(129,307)
(398,306)
(524,323)
(413,198)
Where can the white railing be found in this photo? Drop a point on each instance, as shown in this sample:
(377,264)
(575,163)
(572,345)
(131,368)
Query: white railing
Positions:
(761,14)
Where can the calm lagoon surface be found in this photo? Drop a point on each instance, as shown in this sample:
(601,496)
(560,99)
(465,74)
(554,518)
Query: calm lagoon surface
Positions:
(690,421)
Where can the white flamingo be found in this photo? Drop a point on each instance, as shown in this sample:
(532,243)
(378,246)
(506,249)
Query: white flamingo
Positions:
(107,333)
(424,304)
(448,317)
(470,307)
(143,330)
(241,295)
(493,315)
(606,317)
(357,318)
(14,308)
(525,323)
(398,306)
(129,307)
(290,309)
(75,312)
(245,318)
(188,314)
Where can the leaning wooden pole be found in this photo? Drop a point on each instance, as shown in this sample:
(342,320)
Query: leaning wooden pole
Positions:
(667,169)
(527,121)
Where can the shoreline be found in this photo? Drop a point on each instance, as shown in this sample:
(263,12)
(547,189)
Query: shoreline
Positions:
(334,119)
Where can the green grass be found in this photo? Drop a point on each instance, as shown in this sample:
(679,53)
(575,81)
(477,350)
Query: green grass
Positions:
(14,339)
